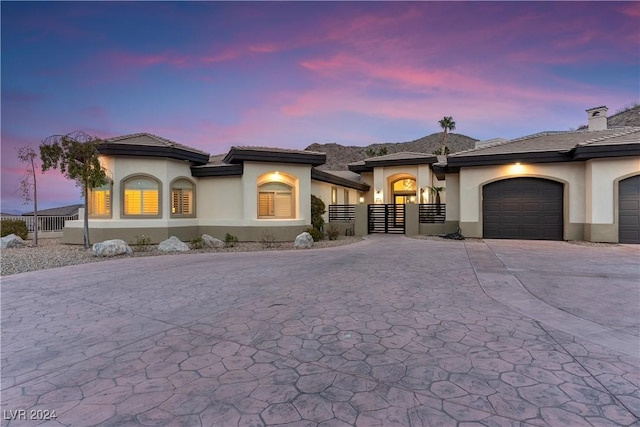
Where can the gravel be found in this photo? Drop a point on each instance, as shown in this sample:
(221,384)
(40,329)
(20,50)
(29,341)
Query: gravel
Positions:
(51,253)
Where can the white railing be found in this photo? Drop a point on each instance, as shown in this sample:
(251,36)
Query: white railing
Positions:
(45,222)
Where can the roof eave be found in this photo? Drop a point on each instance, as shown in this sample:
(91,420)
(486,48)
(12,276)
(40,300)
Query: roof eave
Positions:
(113,149)
(218,170)
(586,152)
(239,155)
(323,176)
(502,159)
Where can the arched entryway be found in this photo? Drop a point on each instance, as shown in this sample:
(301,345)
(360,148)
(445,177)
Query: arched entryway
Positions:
(629,210)
(404,190)
(523,208)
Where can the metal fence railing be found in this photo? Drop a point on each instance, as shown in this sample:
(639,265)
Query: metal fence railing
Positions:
(432,213)
(45,222)
(342,212)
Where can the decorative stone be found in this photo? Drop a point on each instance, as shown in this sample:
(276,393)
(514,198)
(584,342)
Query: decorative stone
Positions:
(212,242)
(303,241)
(111,248)
(12,241)
(173,244)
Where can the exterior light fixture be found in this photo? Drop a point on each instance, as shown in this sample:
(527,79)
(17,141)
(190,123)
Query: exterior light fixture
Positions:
(361,200)
(412,199)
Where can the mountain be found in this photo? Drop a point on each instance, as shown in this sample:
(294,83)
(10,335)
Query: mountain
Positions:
(339,156)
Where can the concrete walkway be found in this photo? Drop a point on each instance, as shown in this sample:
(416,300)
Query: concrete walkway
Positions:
(391,331)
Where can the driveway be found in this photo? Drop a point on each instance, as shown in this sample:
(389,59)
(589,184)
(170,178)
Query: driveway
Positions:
(390,331)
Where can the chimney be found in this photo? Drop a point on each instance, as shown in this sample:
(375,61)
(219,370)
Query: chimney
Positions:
(597,118)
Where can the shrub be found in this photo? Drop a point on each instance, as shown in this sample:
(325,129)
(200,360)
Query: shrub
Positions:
(197,243)
(333,232)
(14,226)
(268,239)
(230,240)
(317,210)
(315,233)
(142,243)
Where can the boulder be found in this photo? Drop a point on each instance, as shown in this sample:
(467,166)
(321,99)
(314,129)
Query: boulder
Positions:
(303,241)
(12,241)
(212,242)
(111,248)
(173,244)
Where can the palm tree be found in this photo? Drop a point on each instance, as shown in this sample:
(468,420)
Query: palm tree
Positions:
(447,124)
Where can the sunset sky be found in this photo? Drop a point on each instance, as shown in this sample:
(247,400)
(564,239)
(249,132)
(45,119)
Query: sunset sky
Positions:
(216,74)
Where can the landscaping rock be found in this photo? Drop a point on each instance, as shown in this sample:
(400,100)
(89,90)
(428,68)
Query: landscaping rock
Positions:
(173,244)
(303,241)
(12,241)
(111,248)
(212,242)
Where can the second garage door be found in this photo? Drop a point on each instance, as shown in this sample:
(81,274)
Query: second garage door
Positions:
(629,210)
(523,208)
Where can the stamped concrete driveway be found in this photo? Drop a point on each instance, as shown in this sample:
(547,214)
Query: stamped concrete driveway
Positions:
(390,331)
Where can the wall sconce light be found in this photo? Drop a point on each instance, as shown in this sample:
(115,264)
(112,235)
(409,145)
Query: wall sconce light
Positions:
(361,200)
(412,199)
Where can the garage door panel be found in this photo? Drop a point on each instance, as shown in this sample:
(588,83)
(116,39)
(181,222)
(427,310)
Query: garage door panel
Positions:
(629,210)
(529,208)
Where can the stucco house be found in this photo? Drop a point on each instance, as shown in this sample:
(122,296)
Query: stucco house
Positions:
(574,185)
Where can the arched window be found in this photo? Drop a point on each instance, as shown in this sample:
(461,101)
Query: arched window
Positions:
(182,198)
(100,201)
(275,200)
(141,196)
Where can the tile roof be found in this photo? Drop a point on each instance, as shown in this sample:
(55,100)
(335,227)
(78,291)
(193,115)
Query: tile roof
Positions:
(61,211)
(262,149)
(150,140)
(555,141)
(402,155)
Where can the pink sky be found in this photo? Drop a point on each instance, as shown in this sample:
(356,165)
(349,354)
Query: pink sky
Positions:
(216,74)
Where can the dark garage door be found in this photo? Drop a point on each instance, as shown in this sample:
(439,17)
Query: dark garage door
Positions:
(629,210)
(522,208)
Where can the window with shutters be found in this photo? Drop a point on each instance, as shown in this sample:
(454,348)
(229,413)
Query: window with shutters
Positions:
(182,198)
(100,201)
(275,200)
(141,197)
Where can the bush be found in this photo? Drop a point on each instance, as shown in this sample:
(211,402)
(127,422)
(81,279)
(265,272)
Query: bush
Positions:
(230,240)
(268,239)
(333,232)
(315,233)
(317,210)
(197,243)
(14,226)
(142,243)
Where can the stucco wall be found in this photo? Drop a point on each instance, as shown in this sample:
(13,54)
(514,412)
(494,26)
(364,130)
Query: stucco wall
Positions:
(165,170)
(220,199)
(383,177)
(602,176)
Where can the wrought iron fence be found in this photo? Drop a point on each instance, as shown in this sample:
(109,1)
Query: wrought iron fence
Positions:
(342,212)
(45,222)
(432,213)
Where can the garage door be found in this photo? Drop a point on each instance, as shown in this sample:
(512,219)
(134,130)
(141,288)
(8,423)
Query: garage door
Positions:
(629,210)
(523,208)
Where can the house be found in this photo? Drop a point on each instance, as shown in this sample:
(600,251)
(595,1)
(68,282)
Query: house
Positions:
(575,185)
(160,188)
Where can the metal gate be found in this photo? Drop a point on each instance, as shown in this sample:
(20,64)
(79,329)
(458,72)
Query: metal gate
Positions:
(386,219)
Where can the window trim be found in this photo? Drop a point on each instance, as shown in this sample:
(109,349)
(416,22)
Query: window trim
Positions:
(124,180)
(193,196)
(108,215)
(291,193)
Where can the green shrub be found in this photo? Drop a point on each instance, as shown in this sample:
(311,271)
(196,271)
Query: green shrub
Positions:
(14,226)
(268,239)
(230,240)
(197,243)
(315,233)
(333,232)
(142,243)
(317,210)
